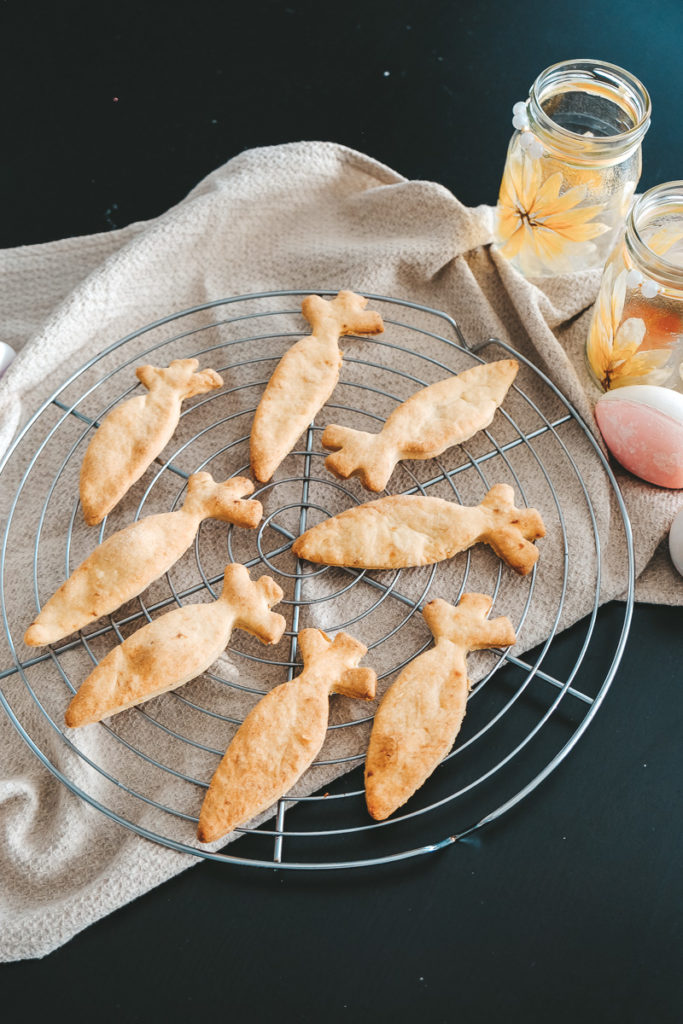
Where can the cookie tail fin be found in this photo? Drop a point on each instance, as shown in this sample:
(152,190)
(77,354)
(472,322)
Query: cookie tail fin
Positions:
(312,644)
(340,659)
(360,683)
(500,497)
(224,501)
(345,314)
(180,376)
(355,453)
(516,529)
(251,603)
(512,543)
(466,624)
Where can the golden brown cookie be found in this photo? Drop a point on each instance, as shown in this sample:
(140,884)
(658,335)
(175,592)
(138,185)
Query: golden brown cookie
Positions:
(430,421)
(130,437)
(408,530)
(305,378)
(177,647)
(128,561)
(280,738)
(420,715)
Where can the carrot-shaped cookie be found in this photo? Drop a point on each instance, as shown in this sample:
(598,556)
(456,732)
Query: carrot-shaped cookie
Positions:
(421,713)
(131,436)
(280,738)
(430,421)
(177,647)
(305,377)
(409,530)
(128,561)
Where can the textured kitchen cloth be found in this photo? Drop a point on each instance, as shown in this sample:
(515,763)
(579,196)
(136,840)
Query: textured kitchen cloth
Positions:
(301,216)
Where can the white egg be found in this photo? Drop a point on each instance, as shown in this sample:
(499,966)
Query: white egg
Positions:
(676,541)
(642,425)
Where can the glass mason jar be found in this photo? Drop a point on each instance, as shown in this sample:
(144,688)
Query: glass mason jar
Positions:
(636,332)
(572,167)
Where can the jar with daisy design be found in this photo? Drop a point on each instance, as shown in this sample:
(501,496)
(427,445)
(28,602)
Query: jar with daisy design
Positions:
(572,167)
(636,330)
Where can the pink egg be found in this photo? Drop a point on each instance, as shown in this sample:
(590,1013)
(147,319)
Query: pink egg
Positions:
(642,426)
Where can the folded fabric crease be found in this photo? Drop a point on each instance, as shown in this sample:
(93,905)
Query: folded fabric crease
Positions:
(309,215)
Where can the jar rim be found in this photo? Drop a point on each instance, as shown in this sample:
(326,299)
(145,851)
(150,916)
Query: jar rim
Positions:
(611,75)
(656,198)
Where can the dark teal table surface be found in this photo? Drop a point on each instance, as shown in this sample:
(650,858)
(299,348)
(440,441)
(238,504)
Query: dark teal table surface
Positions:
(567,909)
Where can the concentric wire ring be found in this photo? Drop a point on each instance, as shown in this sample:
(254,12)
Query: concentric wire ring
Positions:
(483,775)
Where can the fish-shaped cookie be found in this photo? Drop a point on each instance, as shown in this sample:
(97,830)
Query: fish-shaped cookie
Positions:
(421,713)
(130,437)
(128,561)
(305,377)
(178,646)
(408,530)
(280,738)
(430,421)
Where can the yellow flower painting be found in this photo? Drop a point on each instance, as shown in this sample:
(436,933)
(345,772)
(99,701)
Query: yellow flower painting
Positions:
(612,347)
(535,223)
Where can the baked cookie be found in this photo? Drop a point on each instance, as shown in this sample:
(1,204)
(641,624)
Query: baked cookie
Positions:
(280,738)
(421,713)
(177,647)
(430,421)
(130,437)
(409,530)
(305,378)
(128,561)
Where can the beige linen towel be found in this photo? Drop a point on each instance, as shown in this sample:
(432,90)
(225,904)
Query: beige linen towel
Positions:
(301,216)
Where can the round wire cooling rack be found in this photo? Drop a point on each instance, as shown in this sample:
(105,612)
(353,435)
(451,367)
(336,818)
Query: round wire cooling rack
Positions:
(148,768)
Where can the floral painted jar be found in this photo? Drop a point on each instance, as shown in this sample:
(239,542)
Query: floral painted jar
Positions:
(572,167)
(636,331)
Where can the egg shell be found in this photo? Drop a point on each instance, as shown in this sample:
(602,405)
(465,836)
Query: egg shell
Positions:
(642,426)
(676,541)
